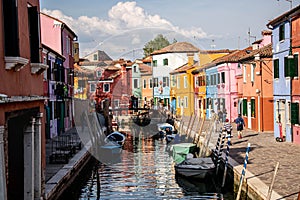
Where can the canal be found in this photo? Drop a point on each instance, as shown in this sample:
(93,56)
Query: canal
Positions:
(144,170)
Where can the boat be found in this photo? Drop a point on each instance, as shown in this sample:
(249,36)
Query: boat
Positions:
(115,137)
(165,130)
(199,168)
(180,151)
(142,119)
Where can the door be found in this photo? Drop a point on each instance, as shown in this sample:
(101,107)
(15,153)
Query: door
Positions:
(249,114)
(282,113)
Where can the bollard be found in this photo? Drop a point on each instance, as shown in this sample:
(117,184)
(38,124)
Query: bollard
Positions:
(243,172)
(226,161)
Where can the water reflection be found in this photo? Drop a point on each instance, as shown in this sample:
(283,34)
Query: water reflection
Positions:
(146,171)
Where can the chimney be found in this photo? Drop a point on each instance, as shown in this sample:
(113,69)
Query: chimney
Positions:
(190,59)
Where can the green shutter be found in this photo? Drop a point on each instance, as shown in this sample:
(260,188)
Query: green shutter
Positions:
(252,107)
(276,68)
(291,66)
(244,107)
(296,65)
(295,113)
(286,67)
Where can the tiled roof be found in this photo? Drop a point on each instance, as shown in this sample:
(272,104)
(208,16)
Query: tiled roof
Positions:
(183,68)
(264,52)
(145,68)
(178,47)
(148,59)
(284,16)
(216,51)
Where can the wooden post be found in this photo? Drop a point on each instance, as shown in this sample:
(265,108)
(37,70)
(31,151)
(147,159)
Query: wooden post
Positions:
(272,183)
(243,172)
(189,131)
(189,123)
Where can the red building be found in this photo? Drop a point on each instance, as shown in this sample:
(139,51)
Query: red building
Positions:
(22,135)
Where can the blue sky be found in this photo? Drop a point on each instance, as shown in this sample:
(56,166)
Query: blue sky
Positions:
(121,28)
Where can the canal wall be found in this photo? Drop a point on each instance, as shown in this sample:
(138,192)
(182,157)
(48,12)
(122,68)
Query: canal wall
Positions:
(67,174)
(253,187)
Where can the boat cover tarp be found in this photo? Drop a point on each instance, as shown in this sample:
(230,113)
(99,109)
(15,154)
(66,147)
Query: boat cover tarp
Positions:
(181,150)
(197,163)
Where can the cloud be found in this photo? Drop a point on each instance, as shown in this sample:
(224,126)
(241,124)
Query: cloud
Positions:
(123,18)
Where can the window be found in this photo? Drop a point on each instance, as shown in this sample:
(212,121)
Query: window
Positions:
(185,101)
(116,103)
(173,80)
(281,32)
(165,81)
(218,79)
(207,81)
(185,81)
(150,83)
(252,107)
(211,79)
(197,81)
(144,83)
(134,69)
(135,83)
(34,34)
(154,63)
(68,45)
(92,87)
(287,71)
(155,80)
(239,66)
(11,30)
(245,74)
(295,113)
(165,62)
(178,100)
(245,111)
(95,57)
(276,68)
(295,66)
(106,87)
(99,73)
(222,77)
(288,112)
(178,82)
(252,72)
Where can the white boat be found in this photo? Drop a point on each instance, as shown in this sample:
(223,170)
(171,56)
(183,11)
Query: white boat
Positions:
(115,137)
(166,130)
(199,168)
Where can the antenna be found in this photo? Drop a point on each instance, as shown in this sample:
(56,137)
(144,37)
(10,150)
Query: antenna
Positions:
(250,36)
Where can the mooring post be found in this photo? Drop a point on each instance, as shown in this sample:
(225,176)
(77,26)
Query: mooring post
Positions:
(272,183)
(226,161)
(189,123)
(243,172)
(192,125)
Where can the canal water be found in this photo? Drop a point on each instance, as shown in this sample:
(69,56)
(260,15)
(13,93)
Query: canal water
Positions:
(145,170)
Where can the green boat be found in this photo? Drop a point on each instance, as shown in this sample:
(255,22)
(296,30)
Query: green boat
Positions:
(181,150)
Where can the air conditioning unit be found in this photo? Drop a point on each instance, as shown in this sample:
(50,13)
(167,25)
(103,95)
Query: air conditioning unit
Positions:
(257,73)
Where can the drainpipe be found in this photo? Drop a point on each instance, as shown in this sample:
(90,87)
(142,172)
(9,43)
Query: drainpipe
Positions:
(291,79)
(3,194)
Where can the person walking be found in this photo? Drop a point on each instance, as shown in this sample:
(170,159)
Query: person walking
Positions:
(240,123)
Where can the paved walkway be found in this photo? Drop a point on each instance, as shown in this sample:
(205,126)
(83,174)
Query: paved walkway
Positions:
(264,154)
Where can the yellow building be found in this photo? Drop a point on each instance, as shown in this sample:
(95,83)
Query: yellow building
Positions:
(205,57)
(182,88)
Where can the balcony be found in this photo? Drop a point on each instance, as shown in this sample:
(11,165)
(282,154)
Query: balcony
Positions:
(15,63)
(38,68)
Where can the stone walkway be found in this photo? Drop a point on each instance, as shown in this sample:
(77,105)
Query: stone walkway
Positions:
(265,152)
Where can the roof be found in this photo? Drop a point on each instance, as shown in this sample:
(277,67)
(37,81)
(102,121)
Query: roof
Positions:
(184,68)
(102,56)
(148,59)
(216,51)
(145,69)
(178,47)
(265,52)
(63,23)
(284,17)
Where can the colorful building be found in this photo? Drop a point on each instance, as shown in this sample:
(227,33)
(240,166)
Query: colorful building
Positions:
(22,121)
(284,72)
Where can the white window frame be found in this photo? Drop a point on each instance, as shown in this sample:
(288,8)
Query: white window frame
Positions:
(245,73)
(178,81)
(185,81)
(92,87)
(252,72)
(179,102)
(104,87)
(173,80)
(185,101)
(99,73)
(144,83)
(150,83)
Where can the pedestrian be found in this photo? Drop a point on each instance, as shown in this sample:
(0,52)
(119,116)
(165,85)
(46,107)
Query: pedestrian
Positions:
(240,123)
(227,128)
(220,116)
